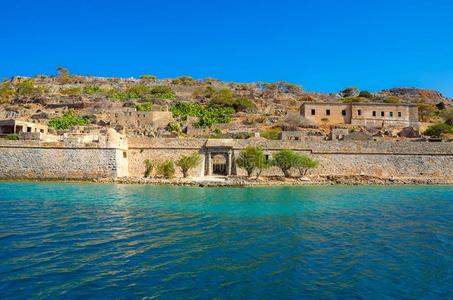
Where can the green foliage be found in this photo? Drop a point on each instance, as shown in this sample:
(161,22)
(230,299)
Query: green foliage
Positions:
(64,76)
(304,163)
(392,99)
(271,134)
(447,115)
(187,162)
(149,166)
(349,92)
(73,91)
(138,91)
(354,99)
(27,88)
(68,120)
(147,106)
(117,95)
(225,98)
(280,86)
(148,77)
(365,94)
(439,129)
(252,158)
(92,89)
(166,169)
(184,80)
(6,91)
(162,92)
(285,159)
(12,137)
(174,127)
(206,114)
(242,104)
(425,110)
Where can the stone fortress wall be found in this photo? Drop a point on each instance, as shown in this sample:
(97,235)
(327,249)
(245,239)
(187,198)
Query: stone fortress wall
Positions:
(403,159)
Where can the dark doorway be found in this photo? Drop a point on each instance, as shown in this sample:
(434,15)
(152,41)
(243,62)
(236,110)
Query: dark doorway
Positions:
(219,166)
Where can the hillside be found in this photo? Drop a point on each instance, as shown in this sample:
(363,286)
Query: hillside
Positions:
(241,107)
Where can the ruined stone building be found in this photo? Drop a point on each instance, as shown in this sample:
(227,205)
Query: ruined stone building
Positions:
(13,126)
(131,118)
(378,115)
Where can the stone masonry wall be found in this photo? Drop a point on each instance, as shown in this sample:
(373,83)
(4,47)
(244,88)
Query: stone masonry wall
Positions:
(45,162)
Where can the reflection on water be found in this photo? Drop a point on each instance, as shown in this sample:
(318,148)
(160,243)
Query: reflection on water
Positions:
(127,241)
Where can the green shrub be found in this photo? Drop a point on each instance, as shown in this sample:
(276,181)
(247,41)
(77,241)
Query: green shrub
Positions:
(149,166)
(92,89)
(138,91)
(447,115)
(118,95)
(166,169)
(174,127)
(184,80)
(27,88)
(252,158)
(286,159)
(439,129)
(68,120)
(354,99)
(271,134)
(304,163)
(12,137)
(206,114)
(425,110)
(350,92)
(162,92)
(147,106)
(365,94)
(6,91)
(148,77)
(242,104)
(187,162)
(392,99)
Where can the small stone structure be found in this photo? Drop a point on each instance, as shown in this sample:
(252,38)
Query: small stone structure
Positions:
(17,126)
(131,118)
(362,114)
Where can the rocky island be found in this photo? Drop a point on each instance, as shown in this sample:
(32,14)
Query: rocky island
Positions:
(210,132)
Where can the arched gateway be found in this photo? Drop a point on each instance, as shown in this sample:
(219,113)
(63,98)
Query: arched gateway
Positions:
(219,158)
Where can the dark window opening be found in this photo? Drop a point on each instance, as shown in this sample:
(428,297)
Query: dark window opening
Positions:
(343,112)
(359,112)
(327,112)
(28,129)
(391,114)
(124,154)
(399,114)
(374,113)
(382,114)
(313,112)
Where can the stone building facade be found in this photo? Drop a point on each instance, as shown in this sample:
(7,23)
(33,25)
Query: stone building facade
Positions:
(17,126)
(131,118)
(375,115)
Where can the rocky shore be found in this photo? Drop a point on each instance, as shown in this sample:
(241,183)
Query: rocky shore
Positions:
(277,181)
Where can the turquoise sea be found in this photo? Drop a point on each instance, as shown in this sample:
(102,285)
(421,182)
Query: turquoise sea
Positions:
(77,241)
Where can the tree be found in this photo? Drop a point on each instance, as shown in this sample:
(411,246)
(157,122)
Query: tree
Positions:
(149,166)
(365,94)
(438,129)
(447,115)
(305,163)
(166,169)
(425,110)
(349,92)
(187,162)
(250,159)
(285,159)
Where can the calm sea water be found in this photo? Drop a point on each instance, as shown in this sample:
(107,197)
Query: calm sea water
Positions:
(125,241)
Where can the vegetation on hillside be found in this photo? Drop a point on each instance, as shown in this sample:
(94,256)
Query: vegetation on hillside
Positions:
(187,162)
(67,120)
(207,114)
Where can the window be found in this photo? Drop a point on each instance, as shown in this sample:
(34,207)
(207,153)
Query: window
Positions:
(124,154)
(313,112)
(391,114)
(327,112)
(343,112)
(382,114)
(374,113)
(399,114)
(28,129)
(359,112)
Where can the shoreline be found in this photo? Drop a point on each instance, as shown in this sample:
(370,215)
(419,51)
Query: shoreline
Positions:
(248,182)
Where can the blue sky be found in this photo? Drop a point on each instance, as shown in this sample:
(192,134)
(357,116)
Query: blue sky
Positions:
(323,45)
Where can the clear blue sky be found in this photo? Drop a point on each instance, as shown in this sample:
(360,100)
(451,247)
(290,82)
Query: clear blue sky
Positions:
(323,45)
